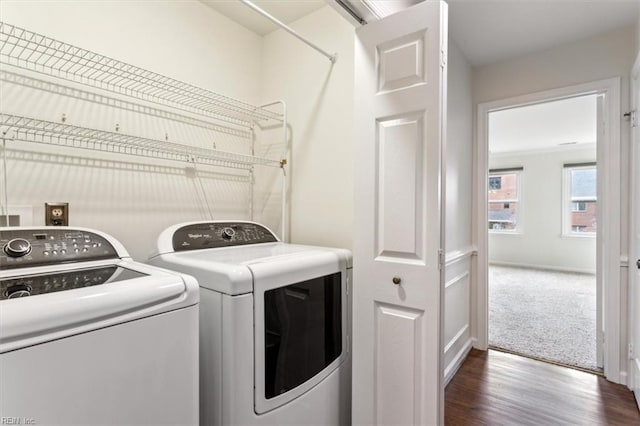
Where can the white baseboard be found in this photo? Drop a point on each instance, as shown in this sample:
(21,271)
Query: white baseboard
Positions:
(457,361)
(475,343)
(635,377)
(622,378)
(635,367)
(545,267)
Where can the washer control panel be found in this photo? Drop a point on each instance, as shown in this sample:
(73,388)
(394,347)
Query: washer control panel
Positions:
(220,234)
(33,285)
(23,248)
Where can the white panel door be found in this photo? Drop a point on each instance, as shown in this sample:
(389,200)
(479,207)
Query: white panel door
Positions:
(634,243)
(400,84)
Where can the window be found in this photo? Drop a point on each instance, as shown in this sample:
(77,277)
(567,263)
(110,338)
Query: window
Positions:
(495,182)
(503,200)
(579,207)
(580,196)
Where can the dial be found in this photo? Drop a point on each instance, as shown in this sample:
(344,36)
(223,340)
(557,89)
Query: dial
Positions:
(17,247)
(18,290)
(228,233)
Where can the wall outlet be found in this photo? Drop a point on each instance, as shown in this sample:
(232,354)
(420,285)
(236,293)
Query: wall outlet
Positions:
(56,214)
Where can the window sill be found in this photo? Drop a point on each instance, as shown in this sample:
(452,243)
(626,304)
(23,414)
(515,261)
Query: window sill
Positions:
(518,233)
(580,236)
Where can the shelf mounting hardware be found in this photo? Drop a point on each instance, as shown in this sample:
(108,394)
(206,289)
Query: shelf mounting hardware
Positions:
(333,58)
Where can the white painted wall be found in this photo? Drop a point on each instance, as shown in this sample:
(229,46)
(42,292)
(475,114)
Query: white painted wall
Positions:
(608,55)
(131,198)
(637,46)
(459,152)
(541,243)
(601,57)
(319,99)
(181,39)
(459,168)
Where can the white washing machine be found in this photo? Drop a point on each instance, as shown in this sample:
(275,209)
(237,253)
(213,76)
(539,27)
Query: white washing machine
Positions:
(90,337)
(274,324)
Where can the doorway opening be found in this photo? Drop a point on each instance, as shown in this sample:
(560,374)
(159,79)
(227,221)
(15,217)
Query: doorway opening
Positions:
(542,230)
(608,197)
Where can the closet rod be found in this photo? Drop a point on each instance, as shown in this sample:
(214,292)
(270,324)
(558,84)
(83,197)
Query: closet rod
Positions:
(333,58)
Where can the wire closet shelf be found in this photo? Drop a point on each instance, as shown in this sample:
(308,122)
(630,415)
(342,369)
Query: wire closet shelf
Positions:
(40,131)
(35,52)
(23,52)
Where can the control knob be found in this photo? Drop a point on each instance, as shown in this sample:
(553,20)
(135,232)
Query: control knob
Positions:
(228,233)
(18,290)
(17,247)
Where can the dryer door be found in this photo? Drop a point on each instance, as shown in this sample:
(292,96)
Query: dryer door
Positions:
(300,326)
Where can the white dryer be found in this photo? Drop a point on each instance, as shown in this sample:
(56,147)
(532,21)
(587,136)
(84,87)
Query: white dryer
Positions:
(274,324)
(90,337)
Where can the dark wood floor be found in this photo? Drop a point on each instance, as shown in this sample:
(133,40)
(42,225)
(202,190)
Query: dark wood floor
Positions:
(496,388)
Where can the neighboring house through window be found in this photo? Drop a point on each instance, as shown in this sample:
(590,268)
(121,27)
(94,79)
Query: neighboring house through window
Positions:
(580,206)
(504,198)
(580,199)
(495,182)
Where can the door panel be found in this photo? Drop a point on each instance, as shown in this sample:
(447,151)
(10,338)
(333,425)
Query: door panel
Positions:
(400,107)
(398,328)
(400,213)
(402,62)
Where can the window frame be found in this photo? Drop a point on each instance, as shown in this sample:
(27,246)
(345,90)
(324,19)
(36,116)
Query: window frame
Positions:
(568,202)
(518,171)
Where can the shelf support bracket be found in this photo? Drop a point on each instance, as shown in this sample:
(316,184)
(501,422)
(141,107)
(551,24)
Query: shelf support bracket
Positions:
(5,185)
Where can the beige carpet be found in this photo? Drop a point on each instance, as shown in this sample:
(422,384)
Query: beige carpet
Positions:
(545,314)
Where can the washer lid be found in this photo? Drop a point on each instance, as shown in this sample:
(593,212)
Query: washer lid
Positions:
(257,253)
(27,321)
(53,282)
(229,270)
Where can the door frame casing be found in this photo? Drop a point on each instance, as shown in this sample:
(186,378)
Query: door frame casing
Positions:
(608,170)
(634,211)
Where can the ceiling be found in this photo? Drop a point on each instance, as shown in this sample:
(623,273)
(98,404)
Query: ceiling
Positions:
(286,11)
(543,126)
(489,31)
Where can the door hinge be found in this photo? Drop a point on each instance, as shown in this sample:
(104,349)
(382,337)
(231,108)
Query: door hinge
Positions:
(440,259)
(632,116)
(630,350)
